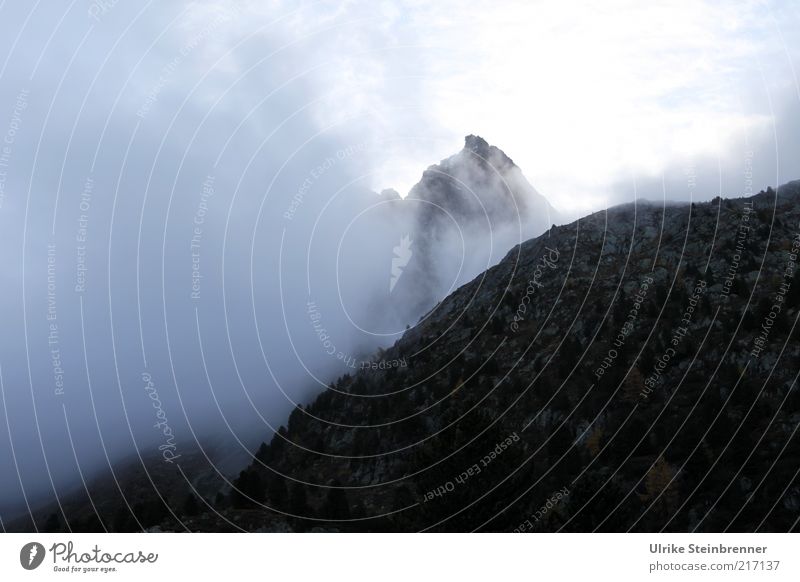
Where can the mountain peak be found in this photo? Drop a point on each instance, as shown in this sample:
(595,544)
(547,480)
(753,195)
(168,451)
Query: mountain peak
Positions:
(478,146)
(475,143)
(482,183)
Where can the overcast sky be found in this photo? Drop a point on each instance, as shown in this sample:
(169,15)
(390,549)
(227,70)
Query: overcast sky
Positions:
(590,99)
(115,116)
(583,96)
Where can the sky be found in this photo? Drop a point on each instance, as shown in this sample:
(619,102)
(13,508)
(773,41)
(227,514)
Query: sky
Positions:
(178,180)
(590,99)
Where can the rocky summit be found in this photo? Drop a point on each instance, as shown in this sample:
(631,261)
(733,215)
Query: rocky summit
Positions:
(464,214)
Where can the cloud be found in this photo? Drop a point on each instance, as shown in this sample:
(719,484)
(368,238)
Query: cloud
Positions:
(155,291)
(577,96)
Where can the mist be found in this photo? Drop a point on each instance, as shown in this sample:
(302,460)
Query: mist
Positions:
(166,222)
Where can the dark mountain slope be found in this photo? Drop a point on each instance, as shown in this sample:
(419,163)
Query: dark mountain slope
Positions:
(633,370)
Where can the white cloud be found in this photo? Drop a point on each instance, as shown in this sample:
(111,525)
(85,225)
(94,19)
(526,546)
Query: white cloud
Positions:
(579,95)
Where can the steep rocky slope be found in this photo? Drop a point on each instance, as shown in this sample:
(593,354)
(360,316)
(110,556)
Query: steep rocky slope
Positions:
(633,370)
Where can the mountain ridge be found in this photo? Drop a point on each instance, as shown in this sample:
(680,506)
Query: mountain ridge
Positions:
(486,385)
